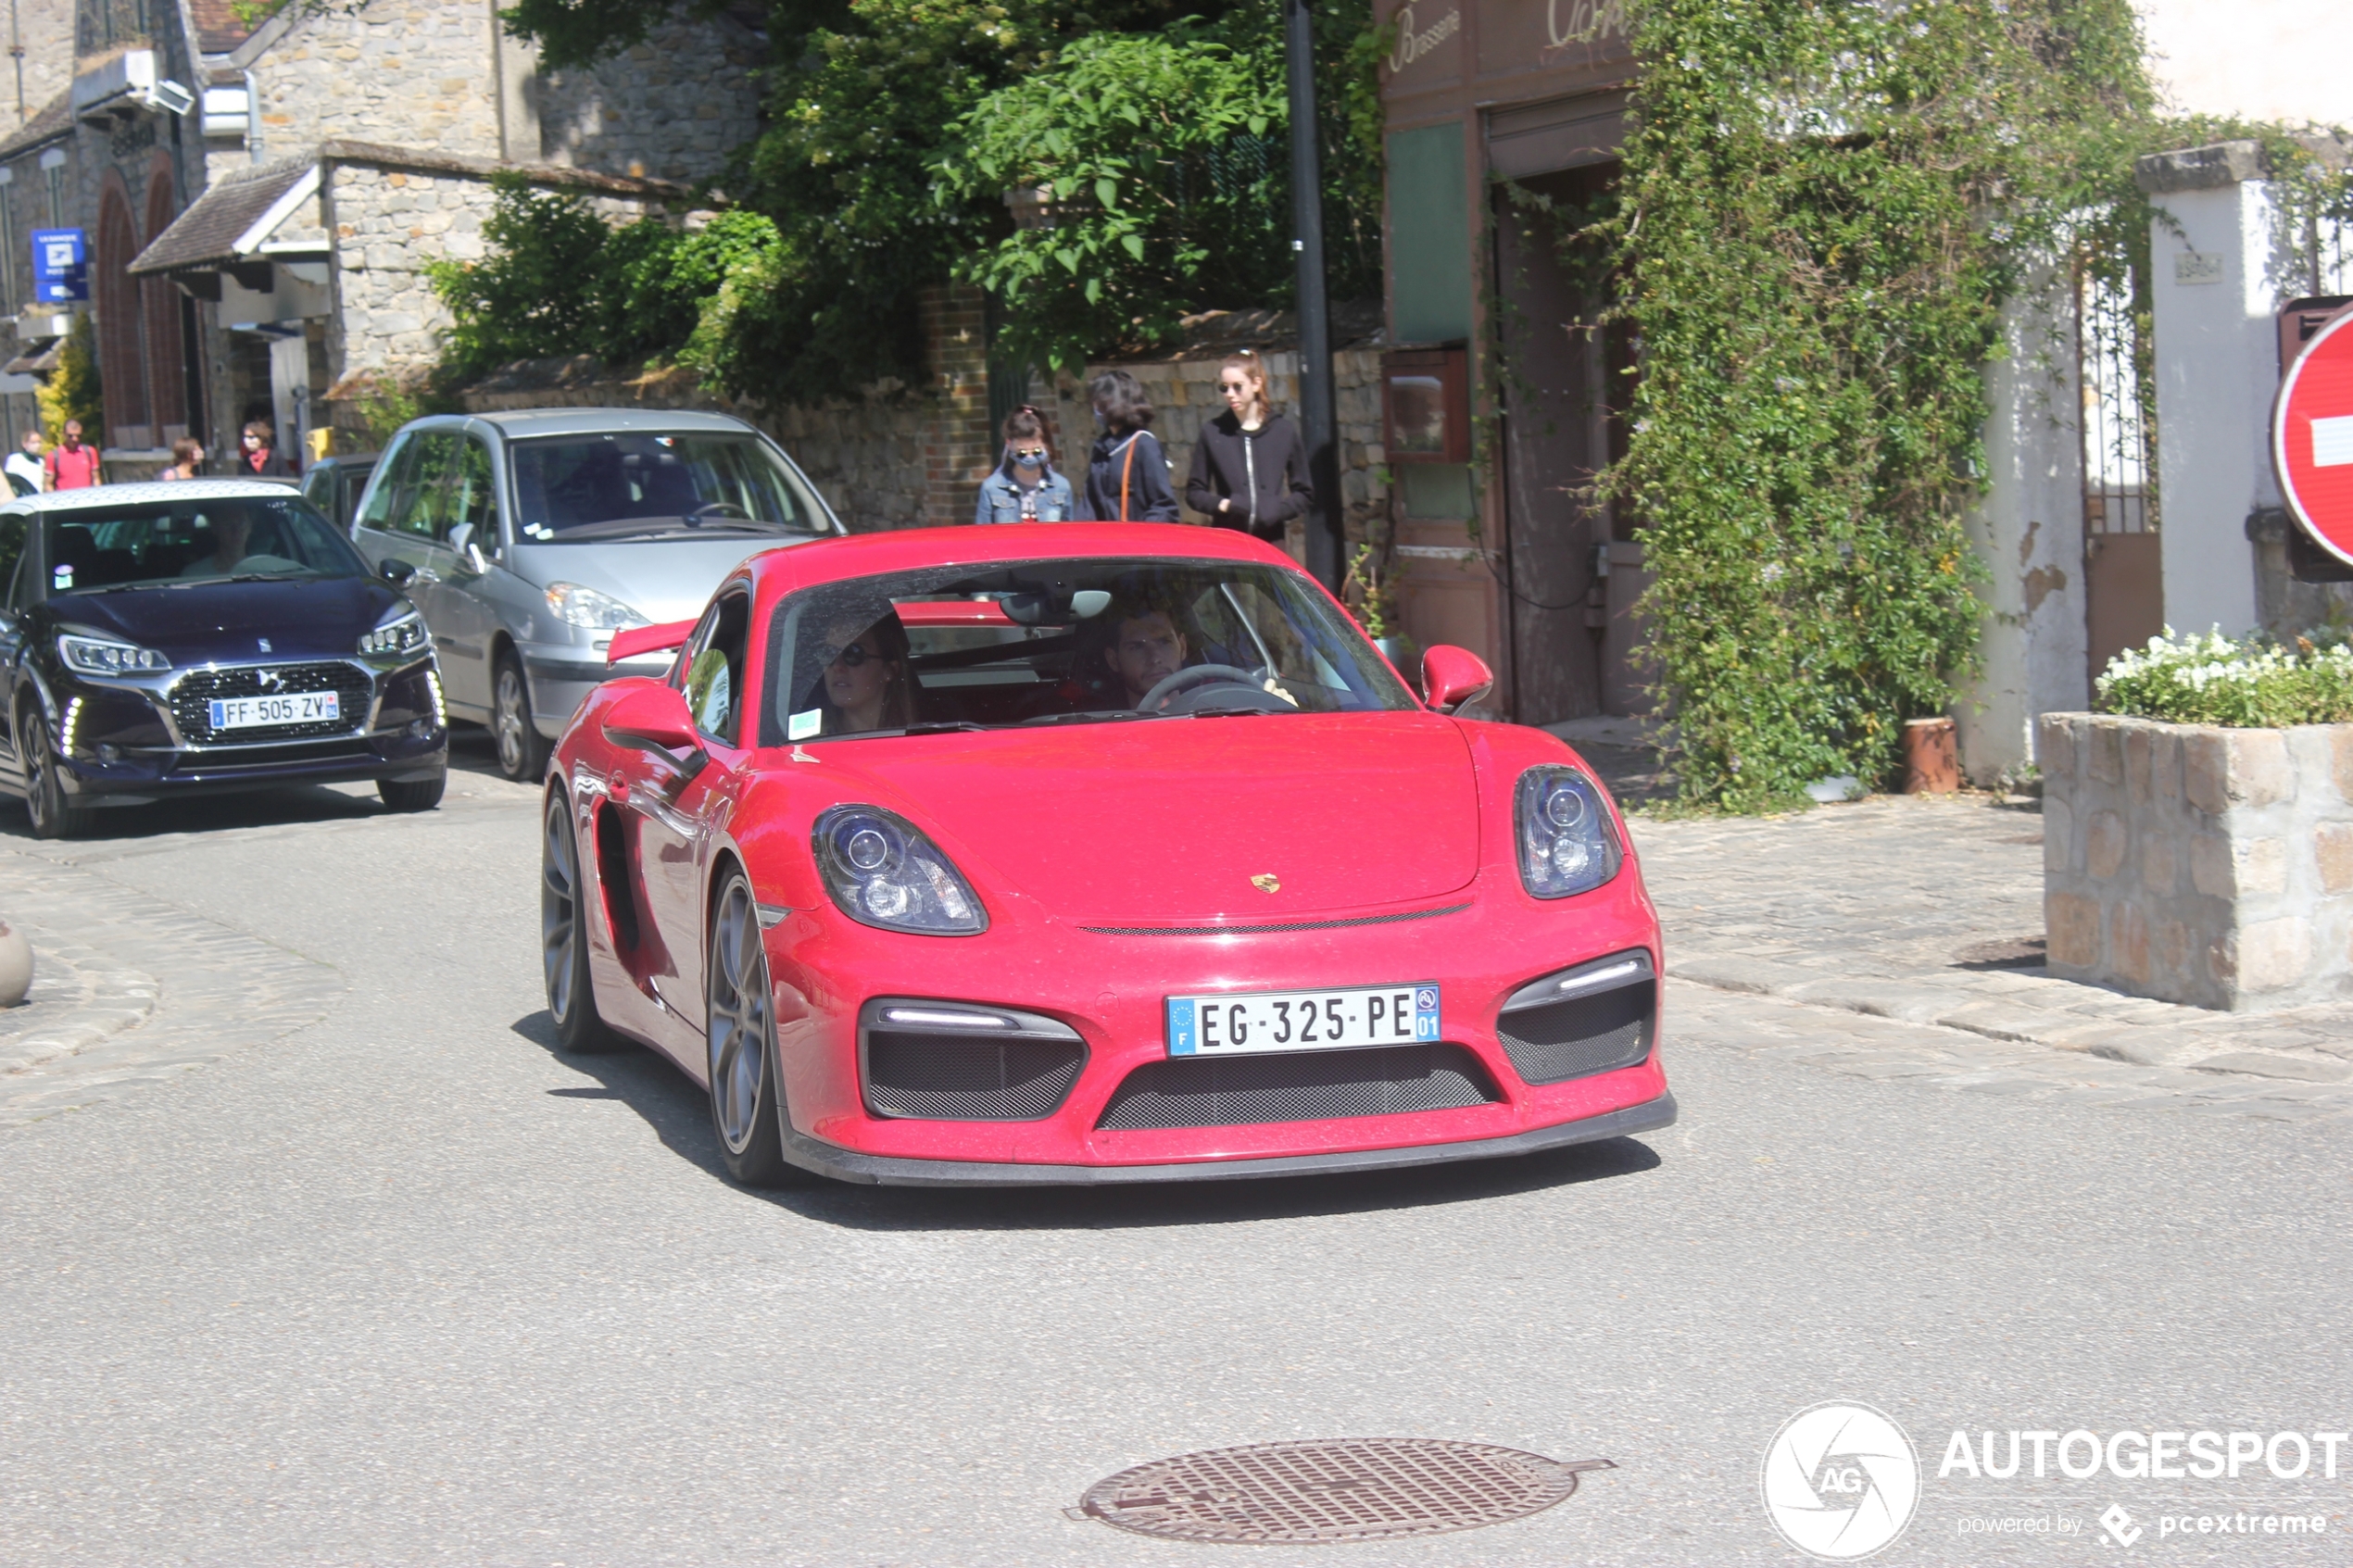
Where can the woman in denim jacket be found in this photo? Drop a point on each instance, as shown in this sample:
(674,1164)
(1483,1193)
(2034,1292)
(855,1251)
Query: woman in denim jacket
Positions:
(1024,488)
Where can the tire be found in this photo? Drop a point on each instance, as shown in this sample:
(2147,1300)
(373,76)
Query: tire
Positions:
(412,795)
(746,1088)
(522,750)
(563,940)
(54,813)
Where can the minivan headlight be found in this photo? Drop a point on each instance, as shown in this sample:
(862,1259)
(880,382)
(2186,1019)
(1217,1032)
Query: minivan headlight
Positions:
(1568,843)
(403,633)
(883,871)
(576,605)
(100,656)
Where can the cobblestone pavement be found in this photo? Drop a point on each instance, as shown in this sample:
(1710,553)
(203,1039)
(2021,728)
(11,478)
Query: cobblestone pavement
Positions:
(1902,937)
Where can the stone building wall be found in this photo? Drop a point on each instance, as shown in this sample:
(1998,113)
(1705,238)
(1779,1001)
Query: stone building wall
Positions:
(674,106)
(46,29)
(2199,864)
(388,224)
(415,73)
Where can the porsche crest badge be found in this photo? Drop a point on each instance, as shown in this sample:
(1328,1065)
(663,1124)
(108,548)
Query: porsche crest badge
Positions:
(1266,882)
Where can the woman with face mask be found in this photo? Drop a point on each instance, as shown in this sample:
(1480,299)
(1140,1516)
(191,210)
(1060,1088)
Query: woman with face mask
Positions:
(1024,488)
(1250,467)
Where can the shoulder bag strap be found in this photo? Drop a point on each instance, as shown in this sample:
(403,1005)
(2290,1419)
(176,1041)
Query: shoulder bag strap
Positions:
(1125,470)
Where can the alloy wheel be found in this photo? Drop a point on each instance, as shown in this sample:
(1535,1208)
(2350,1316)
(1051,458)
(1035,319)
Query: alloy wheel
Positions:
(509,720)
(32,740)
(559,912)
(740,1017)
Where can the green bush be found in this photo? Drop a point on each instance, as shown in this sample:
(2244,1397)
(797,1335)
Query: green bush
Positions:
(559,279)
(2212,680)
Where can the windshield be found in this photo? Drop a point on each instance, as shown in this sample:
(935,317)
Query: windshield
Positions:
(1061,642)
(178,544)
(579,487)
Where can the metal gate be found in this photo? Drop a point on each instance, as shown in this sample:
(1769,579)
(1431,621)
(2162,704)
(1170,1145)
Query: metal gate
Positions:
(2123,564)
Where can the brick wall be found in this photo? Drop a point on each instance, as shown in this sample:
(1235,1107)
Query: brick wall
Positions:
(959,447)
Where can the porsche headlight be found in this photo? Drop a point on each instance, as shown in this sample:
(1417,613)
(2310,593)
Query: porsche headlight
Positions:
(100,656)
(576,605)
(1566,842)
(883,871)
(404,633)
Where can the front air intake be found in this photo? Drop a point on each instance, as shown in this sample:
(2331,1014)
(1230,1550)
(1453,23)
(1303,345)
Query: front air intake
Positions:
(956,1061)
(1595,1018)
(1298,1087)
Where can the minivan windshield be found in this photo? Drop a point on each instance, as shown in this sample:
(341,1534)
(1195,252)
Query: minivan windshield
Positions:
(1064,642)
(641,484)
(182,543)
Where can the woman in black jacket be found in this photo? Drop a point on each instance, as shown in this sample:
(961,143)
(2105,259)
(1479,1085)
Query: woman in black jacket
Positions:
(1127,472)
(1250,467)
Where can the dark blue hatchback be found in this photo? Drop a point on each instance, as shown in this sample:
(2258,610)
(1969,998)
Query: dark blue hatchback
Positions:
(160,640)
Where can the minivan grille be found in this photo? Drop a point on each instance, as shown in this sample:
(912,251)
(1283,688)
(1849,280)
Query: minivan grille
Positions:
(192,700)
(1298,1087)
(1582,1035)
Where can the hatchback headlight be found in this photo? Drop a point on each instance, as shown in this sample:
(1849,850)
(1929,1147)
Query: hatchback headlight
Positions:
(403,633)
(576,605)
(100,656)
(1567,840)
(883,871)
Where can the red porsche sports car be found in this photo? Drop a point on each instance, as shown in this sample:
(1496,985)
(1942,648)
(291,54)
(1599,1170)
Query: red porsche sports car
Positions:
(1085,854)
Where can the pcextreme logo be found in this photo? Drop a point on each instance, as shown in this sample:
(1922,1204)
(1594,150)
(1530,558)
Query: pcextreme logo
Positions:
(1840,1481)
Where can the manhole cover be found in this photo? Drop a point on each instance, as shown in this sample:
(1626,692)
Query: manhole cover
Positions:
(1367,1490)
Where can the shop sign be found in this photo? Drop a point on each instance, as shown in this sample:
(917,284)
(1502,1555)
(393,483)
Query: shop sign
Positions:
(60,265)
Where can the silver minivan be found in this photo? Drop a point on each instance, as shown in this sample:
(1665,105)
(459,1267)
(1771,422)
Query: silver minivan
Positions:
(528,539)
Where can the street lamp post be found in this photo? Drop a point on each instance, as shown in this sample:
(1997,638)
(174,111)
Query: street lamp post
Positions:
(1318,414)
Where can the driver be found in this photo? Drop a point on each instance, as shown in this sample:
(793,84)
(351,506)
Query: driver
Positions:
(229,531)
(1146,646)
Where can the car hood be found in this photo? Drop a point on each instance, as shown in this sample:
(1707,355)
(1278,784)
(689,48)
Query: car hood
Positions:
(317,618)
(1166,822)
(662,579)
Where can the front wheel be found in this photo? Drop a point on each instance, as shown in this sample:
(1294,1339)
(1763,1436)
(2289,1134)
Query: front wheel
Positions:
(522,751)
(54,812)
(746,1088)
(412,795)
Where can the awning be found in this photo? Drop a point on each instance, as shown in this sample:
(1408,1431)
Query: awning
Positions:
(224,229)
(38,360)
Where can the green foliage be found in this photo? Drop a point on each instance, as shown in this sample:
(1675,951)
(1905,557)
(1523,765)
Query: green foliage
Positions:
(72,391)
(873,107)
(1167,161)
(2212,680)
(558,281)
(1823,210)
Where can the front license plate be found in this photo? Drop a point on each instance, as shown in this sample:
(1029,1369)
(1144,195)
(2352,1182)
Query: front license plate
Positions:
(1258,1022)
(294,707)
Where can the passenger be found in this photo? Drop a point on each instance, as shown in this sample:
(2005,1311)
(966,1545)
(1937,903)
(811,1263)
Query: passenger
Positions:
(229,532)
(867,683)
(1146,647)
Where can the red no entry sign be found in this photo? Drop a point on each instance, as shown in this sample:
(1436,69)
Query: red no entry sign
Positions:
(2312,438)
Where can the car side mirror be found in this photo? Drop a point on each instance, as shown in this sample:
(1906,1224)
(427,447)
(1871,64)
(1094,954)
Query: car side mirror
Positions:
(652,718)
(1452,677)
(395,571)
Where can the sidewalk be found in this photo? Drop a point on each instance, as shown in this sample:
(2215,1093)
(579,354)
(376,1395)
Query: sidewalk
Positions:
(1927,913)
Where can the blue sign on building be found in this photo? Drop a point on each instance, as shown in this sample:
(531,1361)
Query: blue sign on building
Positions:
(60,265)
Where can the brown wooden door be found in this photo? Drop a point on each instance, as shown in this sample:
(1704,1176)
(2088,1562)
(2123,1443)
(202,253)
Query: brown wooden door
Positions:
(2123,593)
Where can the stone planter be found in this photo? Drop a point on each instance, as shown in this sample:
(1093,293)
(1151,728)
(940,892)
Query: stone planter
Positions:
(2199,864)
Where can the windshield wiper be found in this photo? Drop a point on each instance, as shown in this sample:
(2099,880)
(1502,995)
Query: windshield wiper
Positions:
(1094,716)
(944,727)
(1221,713)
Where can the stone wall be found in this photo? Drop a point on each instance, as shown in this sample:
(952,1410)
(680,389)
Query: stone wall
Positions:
(2199,864)
(413,73)
(388,223)
(674,106)
(46,29)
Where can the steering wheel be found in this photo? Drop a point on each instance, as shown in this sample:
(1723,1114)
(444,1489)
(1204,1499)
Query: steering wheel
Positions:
(1195,675)
(718,508)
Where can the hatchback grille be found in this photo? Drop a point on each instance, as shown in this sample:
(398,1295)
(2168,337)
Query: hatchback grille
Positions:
(192,700)
(1580,1036)
(1298,1087)
(951,1061)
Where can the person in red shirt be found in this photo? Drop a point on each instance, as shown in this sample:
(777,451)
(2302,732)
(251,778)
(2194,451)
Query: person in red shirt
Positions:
(73,463)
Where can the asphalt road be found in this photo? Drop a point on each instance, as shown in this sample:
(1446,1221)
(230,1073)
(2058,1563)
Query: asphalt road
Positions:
(406,1286)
